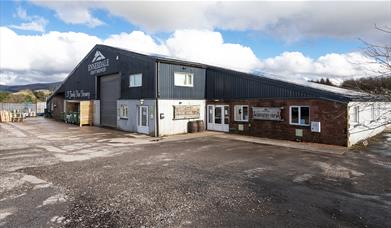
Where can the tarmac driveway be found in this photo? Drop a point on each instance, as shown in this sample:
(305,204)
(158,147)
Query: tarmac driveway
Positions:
(54,175)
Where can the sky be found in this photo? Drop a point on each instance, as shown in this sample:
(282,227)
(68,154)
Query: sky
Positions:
(42,41)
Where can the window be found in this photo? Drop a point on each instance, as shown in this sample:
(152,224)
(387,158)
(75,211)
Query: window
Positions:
(356,114)
(210,113)
(241,113)
(300,115)
(378,111)
(135,80)
(123,111)
(183,79)
(373,117)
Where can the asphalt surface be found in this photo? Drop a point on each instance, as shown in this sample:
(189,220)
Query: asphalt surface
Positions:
(57,175)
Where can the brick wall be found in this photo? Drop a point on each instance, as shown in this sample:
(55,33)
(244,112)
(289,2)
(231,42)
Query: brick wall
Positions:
(332,115)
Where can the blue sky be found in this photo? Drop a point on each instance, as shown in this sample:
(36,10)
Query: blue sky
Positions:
(299,39)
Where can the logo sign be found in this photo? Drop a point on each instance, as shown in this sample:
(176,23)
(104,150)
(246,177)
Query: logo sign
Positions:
(266,113)
(77,94)
(98,64)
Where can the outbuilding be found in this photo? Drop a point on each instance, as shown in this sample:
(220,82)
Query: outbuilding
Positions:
(158,96)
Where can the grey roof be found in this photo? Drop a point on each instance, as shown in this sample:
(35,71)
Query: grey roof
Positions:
(323,91)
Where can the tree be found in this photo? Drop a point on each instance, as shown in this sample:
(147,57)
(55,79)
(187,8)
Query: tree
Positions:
(381,53)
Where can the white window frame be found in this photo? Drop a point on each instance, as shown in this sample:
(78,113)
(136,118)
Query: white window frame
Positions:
(123,111)
(356,114)
(140,116)
(132,82)
(183,82)
(373,113)
(299,115)
(240,118)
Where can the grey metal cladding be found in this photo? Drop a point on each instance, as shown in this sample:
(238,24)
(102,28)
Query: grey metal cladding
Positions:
(167,89)
(227,84)
(135,64)
(82,79)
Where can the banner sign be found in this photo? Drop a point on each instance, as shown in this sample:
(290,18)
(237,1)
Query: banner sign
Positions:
(266,113)
(186,112)
(77,94)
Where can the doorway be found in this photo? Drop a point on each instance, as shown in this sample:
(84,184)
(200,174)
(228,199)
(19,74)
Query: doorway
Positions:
(142,122)
(218,118)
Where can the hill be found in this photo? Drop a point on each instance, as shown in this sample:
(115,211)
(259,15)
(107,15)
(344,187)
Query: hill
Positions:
(24,96)
(373,85)
(33,87)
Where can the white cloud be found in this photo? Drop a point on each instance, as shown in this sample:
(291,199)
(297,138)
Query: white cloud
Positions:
(284,19)
(33,23)
(51,56)
(209,48)
(42,58)
(294,65)
(137,41)
(72,12)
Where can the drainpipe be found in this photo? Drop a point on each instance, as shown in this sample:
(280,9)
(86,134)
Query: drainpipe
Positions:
(157,100)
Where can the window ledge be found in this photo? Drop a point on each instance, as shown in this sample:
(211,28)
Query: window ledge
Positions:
(300,125)
(189,86)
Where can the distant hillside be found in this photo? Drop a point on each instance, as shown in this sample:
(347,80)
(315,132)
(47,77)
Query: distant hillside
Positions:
(36,86)
(373,85)
(25,96)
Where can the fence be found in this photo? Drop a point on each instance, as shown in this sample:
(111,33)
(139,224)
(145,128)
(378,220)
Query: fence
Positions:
(38,108)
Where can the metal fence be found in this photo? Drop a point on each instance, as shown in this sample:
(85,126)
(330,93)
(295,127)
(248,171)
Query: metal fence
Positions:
(23,107)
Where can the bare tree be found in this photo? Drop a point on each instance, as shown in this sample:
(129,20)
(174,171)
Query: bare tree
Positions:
(380,53)
(380,82)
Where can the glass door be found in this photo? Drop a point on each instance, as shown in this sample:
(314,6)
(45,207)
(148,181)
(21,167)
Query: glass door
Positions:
(218,117)
(143,120)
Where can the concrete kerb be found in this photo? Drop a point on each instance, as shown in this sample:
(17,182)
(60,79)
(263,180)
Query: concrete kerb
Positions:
(309,147)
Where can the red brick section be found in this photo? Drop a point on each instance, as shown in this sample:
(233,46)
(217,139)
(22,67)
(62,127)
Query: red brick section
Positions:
(332,115)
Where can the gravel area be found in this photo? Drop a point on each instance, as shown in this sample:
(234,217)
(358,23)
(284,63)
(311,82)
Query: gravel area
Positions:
(64,176)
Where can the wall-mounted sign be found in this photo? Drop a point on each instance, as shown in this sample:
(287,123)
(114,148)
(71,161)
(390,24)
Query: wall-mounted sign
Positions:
(98,64)
(266,113)
(77,94)
(186,112)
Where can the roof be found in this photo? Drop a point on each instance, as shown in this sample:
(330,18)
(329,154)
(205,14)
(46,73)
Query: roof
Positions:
(337,93)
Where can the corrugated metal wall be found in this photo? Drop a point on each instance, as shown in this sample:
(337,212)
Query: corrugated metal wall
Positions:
(135,64)
(227,84)
(167,89)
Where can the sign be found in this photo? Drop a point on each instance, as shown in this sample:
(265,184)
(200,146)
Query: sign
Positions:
(266,113)
(77,94)
(186,112)
(98,64)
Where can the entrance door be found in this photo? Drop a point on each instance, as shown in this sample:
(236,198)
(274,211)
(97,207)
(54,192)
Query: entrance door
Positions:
(142,122)
(218,118)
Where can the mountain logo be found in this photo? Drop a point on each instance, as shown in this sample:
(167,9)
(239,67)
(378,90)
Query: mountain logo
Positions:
(98,57)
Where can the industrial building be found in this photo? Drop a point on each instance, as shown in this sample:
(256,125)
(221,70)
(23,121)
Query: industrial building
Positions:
(158,96)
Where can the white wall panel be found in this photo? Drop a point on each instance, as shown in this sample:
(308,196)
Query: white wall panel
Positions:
(169,126)
(368,125)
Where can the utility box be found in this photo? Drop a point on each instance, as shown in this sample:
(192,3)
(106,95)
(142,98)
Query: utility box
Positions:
(315,127)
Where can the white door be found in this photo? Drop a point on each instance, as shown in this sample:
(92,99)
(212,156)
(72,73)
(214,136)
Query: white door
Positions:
(142,122)
(218,118)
